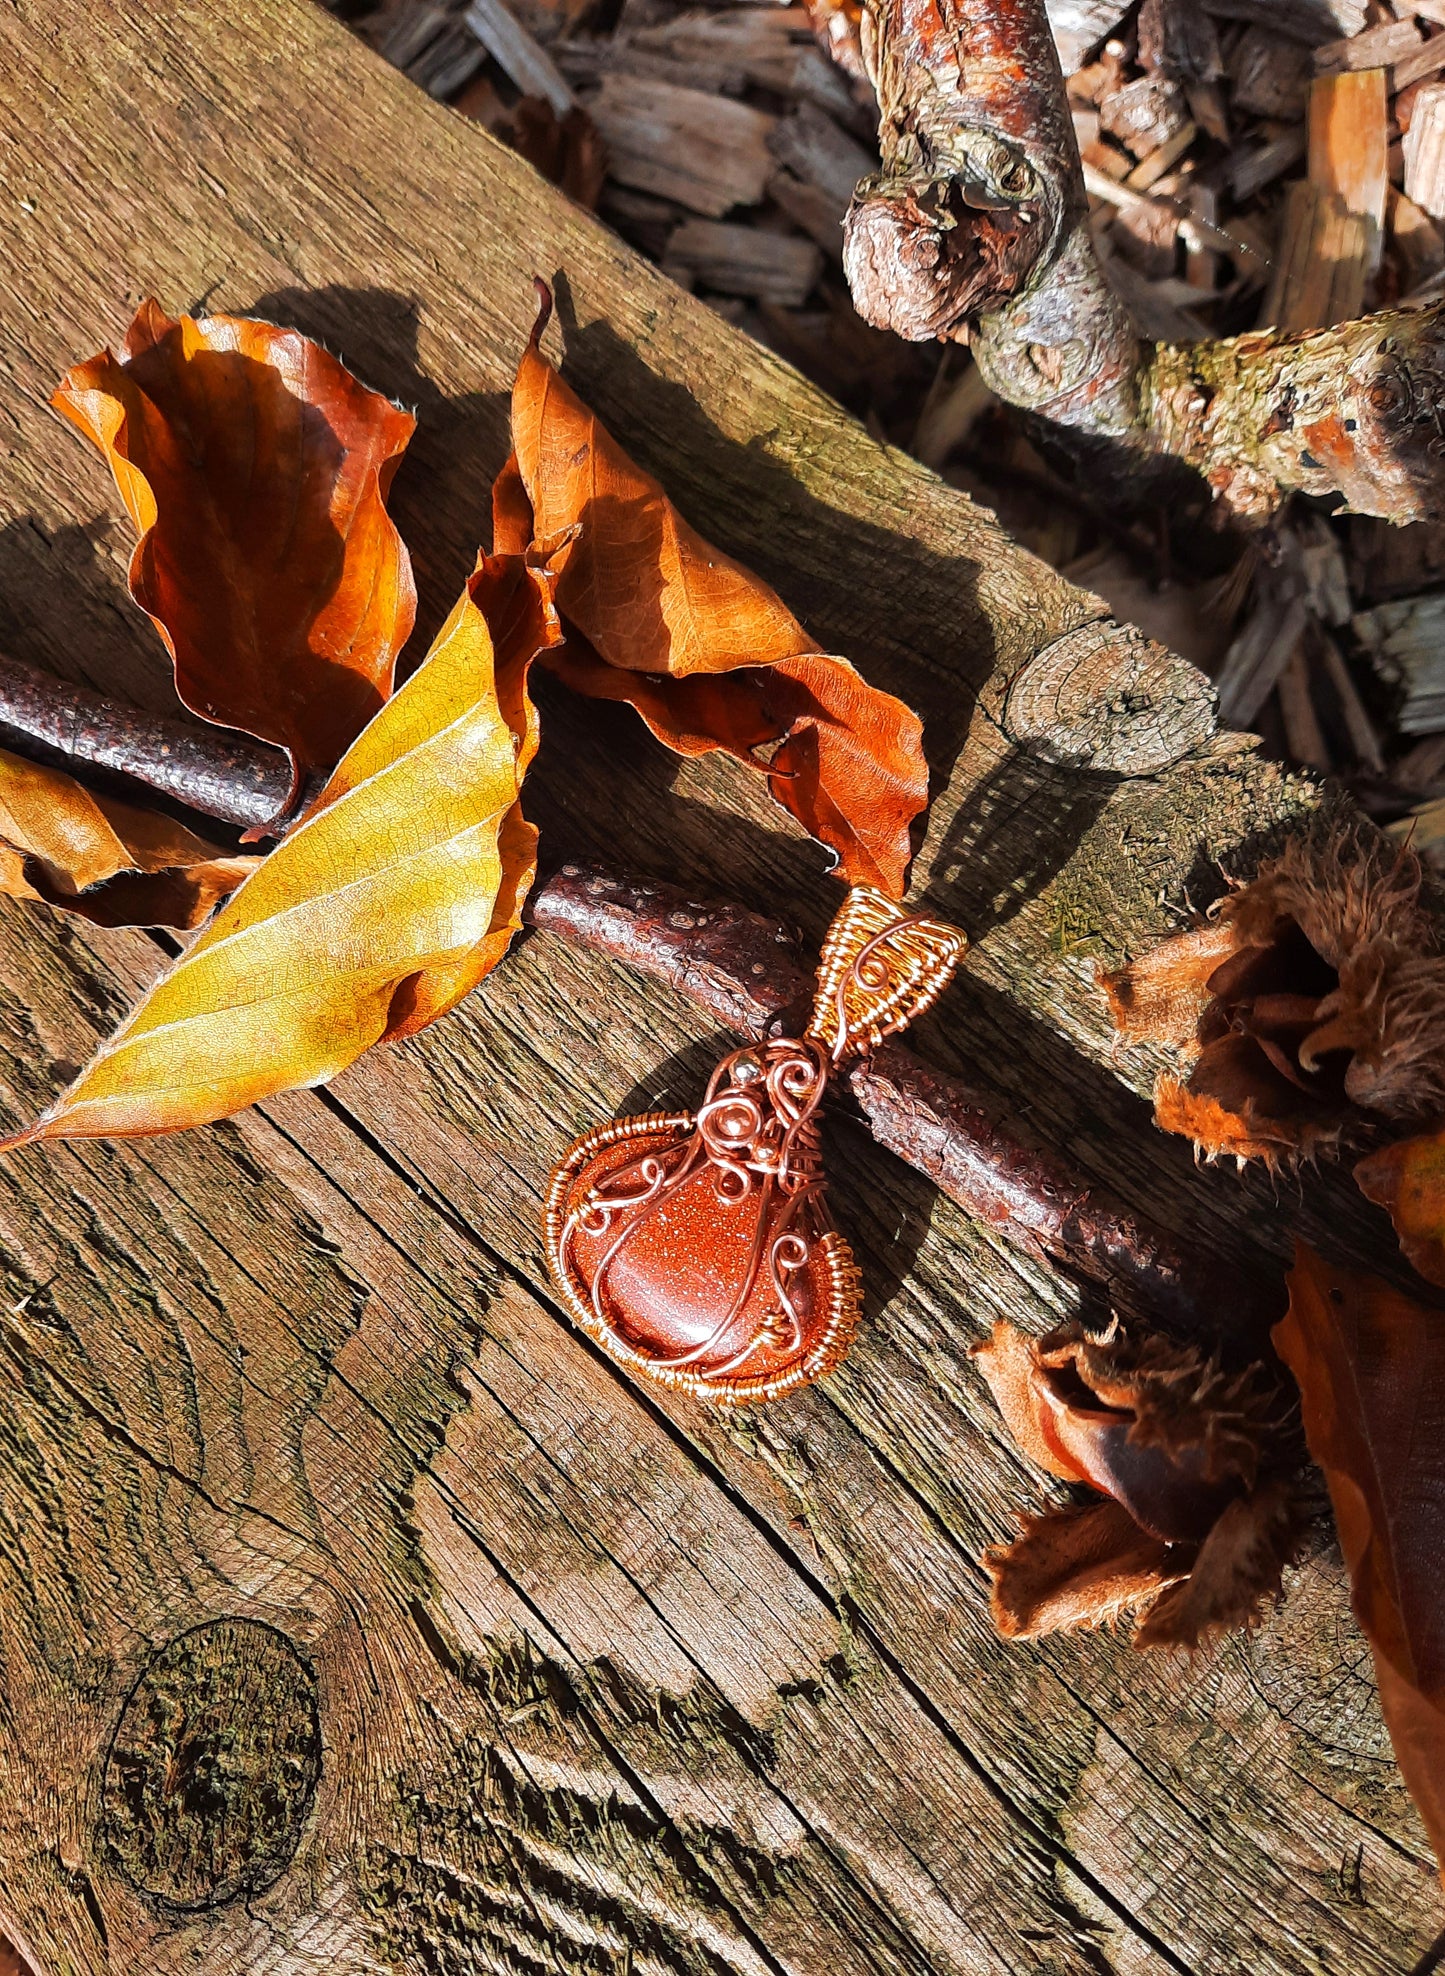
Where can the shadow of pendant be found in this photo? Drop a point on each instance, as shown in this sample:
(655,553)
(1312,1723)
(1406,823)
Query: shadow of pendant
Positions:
(698,1250)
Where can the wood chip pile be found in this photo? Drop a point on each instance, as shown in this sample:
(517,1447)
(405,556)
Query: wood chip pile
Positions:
(1248,161)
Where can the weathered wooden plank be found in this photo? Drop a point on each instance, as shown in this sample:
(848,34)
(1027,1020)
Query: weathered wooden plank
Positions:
(598,1682)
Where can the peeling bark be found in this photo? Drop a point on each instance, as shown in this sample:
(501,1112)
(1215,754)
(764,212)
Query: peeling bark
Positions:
(977,229)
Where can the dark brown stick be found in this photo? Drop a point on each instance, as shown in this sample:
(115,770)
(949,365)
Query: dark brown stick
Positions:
(211,769)
(744,969)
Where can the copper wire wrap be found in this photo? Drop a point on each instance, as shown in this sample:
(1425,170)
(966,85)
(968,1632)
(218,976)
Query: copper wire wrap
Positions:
(698,1249)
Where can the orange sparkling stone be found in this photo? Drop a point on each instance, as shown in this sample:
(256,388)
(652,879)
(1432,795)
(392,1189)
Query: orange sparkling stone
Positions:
(698,1250)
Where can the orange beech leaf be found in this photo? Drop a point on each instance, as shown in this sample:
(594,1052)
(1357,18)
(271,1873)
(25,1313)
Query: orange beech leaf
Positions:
(1408,1181)
(105,860)
(829,744)
(1371,1375)
(706,652)
(1185,1542)
(255,468)
(398,890)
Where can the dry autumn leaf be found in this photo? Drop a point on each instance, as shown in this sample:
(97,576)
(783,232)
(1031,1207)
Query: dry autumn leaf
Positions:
(255,468)
(706,652)
(108,861)
(390,900)
(1191,1538)
(1408,1180)
(1372,1384)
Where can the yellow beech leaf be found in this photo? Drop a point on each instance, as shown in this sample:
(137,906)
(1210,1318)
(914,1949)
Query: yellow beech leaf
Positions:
(393,896)
(109,862)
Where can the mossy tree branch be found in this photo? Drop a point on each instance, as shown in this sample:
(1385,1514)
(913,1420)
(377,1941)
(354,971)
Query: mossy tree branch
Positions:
(976,229)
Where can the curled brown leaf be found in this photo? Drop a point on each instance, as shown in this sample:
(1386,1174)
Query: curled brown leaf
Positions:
(1407,1179)
(106,860)
(1372,1386)
(1189,1540)
(255,468)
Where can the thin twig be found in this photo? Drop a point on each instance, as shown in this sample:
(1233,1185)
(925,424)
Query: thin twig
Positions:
(976,228)
(744,970)
(211,769)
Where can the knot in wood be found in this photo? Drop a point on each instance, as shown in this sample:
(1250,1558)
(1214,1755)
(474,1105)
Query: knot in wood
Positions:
(213,1766)
(924,251)
(1105,697)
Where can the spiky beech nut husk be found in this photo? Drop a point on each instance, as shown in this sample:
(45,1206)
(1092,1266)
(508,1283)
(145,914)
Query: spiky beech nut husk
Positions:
(1194,1464)
(1312,1001)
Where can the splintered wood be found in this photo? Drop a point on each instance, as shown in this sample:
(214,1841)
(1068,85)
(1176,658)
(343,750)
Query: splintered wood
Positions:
(1424,151)
(1331,239)
(706,152)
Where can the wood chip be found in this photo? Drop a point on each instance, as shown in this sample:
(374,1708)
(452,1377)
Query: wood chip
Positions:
(647,222)
(1406,642)
(1388,562)
(1270,75)
(1425,151)
(759,44)
(1377,48)
(1151,169)
(1322,263)
(949,415)
(1304,736)
(1158,307)
(1331,232)
(449,62)
(812,209)
(706,152)
(1176,38)
(745,260)
(518,54)
(1418,242)
(1358,725)
(1423,765)
(405,36)
(1144,114)
(1347,140)
(1080,25)
(1236,245)
(1258,655)
(1310,21)
(1250,171)
(1426,61)
(1148,238)
(1206,106)
(1321,564)
(810,145)
(1423,829)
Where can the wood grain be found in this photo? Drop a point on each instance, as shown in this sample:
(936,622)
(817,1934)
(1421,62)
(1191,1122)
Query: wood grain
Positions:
(602,1685)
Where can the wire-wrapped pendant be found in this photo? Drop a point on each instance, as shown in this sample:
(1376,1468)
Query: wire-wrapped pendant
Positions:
(698,1249)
